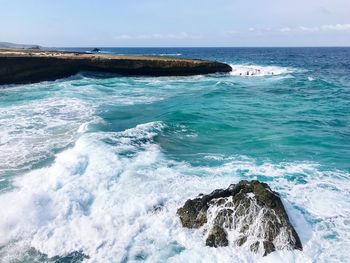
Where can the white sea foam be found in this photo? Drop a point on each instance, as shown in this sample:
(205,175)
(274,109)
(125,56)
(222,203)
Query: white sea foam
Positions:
(115,195)
(112,91)
(253,224)
(258,71)
(170,54)
(32,130)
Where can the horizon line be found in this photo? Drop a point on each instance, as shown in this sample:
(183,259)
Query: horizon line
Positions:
(194,46)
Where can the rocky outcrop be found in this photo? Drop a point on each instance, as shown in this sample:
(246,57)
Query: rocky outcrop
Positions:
(27,66)
(249,214)
(217,237)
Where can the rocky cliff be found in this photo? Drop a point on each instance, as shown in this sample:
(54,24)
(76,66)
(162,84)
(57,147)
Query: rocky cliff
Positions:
(27,66)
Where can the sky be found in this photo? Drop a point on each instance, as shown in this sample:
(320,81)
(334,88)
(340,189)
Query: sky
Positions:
(176,23)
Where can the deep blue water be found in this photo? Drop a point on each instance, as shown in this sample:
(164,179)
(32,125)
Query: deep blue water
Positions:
(93,154)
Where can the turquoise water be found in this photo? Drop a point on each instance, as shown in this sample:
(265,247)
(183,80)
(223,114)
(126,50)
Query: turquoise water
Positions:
(85,160)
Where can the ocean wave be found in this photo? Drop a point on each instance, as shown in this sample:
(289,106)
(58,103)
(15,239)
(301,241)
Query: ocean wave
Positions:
(114,196)
(110,91)
(258,71)
(170,54)
(33,130)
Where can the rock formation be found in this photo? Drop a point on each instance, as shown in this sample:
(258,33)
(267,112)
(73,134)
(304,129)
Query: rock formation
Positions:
(248,214)
(27,66)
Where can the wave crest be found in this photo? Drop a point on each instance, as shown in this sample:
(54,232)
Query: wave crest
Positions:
(120,190)
(255,70)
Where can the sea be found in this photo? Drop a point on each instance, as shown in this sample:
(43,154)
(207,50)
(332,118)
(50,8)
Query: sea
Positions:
(94,167)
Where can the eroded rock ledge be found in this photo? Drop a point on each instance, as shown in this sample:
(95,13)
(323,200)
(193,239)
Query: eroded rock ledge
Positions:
(27,66)
(249,214)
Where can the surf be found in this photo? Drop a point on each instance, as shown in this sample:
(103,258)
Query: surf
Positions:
(114,196)
(257,70)
(106,161)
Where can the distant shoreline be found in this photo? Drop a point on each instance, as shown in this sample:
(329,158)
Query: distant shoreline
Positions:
(18,46)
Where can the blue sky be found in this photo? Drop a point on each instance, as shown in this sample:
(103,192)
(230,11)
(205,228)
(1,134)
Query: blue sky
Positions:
(176,23)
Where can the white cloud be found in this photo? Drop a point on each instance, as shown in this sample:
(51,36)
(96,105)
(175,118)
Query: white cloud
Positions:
(122,37)
(308,29)
(337,27)
(182,35)
(324,28)
(285,29)
(229,33)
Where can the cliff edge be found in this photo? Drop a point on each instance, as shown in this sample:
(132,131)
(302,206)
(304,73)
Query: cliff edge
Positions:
(28,66)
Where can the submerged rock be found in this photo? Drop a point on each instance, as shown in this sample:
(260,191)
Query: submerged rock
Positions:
(250,210)
(33,255)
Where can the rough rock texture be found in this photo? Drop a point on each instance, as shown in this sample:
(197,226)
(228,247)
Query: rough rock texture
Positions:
(26,66)
(250,210)
(217,237)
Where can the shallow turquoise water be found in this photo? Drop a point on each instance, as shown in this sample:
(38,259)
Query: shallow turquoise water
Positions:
(93,155)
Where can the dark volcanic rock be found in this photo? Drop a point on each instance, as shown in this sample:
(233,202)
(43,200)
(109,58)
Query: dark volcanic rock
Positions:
(217,237)
(252,209)
(33,255)
(26,66)
(194,213)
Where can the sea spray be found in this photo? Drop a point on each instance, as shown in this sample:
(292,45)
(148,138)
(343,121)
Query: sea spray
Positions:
(258,71)
(134,149)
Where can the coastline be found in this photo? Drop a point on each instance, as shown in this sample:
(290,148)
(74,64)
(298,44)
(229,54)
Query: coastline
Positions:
(116,158)
(21,66)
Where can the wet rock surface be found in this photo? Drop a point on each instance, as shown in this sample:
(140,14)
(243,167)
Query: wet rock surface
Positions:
(217,237)
(33,255)
(249,210)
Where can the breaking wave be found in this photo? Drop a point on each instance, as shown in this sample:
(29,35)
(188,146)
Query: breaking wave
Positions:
(114,196)
(170,54)
(255,70)
(36,129)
